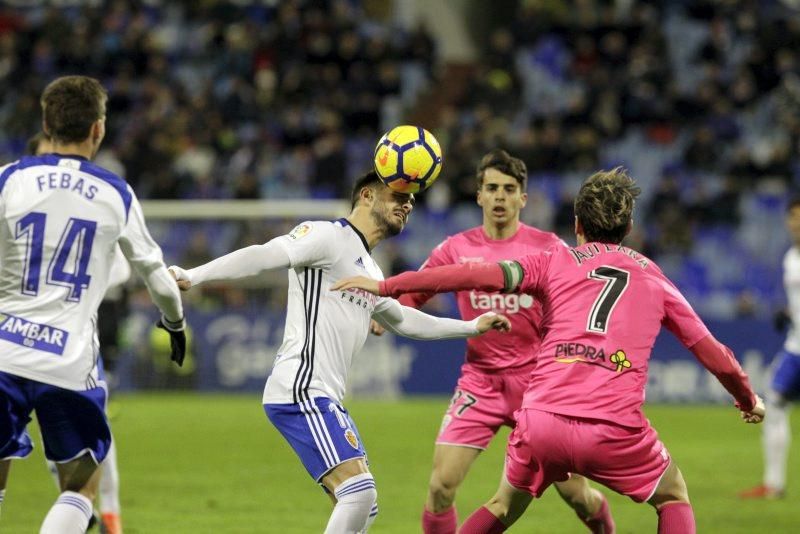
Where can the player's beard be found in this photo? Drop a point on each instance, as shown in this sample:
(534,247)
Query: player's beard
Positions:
(386,221)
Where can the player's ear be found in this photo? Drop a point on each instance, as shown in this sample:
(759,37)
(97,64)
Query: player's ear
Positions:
(524,199)
(367,194)
(630,227)
(578,226)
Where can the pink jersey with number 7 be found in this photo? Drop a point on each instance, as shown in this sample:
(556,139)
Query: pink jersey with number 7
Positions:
(603,308)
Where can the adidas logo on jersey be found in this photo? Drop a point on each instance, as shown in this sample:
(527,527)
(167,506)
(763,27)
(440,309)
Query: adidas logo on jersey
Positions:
(360,263)
(33,335)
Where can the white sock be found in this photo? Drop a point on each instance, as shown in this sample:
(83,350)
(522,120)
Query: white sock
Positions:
(776,438)
(371,519)
(2,498)
(69,515)
(51,466)
(355,498)
(109,483)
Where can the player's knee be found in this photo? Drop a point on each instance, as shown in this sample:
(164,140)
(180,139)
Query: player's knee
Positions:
(359,490)
(442,489)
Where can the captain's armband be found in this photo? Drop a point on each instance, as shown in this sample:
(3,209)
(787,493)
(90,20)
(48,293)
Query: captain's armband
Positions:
(512,275)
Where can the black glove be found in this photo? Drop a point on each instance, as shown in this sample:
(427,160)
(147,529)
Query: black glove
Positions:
(177,338)
(781,320)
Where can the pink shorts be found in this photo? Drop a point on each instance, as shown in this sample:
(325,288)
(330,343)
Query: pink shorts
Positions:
(546,447)
(482,403)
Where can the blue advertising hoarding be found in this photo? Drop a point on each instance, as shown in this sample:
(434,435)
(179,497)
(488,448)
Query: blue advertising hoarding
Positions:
(234,351)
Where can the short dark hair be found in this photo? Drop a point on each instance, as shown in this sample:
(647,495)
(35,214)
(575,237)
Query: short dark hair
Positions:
(502,161)
(32,146)
(70,105)
(368,179)
(604,205)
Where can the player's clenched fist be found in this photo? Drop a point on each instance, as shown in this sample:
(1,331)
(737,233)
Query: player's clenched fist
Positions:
(181,276)
(493,321)
(357,282)
(756,415)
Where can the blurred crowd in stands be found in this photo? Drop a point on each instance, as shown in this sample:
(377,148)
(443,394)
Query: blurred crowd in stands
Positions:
(243,100)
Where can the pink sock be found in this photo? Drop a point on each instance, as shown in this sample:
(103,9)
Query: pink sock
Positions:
(444,522)
(482,521)
(601,522)
(676,518)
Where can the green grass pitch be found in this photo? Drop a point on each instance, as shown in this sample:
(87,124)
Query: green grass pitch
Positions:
(213,464)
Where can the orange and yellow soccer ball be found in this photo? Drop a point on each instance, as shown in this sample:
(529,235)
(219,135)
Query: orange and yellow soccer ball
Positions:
(408,159)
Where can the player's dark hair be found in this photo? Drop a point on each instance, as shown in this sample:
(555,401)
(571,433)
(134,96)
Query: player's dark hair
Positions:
(70,105)
(502,161)
(32,146)
(369,179)
(604,205)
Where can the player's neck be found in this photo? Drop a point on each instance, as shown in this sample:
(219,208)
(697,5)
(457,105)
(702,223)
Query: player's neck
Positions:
(362,222)
(85,149)
(499,232)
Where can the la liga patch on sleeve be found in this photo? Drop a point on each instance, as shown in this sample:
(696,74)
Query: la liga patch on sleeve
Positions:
(300,230)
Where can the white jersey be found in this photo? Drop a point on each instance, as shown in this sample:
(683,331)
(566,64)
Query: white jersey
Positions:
(791,284)
(324,329)
(62,217)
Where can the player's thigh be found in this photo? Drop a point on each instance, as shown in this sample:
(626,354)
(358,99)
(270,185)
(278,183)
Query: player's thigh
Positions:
(476,412)
(539,451)
(321,433)
(671,488)
(79,475)
(630,461)
(16,406)
(73,423)
(344,471)
(451,463)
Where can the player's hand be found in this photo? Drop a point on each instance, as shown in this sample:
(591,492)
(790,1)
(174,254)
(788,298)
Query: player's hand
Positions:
(177,338)
(357,282)
(181,277)
(376,329)
(756,415)
(781,320)
(493,321)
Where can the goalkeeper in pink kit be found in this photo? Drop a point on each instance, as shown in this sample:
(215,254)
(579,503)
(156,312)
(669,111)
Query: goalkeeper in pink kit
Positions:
(604,304)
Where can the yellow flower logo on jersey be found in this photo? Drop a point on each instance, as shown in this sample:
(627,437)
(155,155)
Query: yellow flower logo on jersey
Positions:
(570,353)
(351,438)
(620,360)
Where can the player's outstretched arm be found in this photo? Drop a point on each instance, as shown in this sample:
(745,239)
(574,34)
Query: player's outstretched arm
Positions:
(243,263)
(146,258)
(410,322)
(719,360)
(481,276)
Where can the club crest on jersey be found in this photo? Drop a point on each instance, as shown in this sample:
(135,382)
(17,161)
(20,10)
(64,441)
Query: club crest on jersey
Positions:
(32,335)
(351,438)
(299,231)
(580,353)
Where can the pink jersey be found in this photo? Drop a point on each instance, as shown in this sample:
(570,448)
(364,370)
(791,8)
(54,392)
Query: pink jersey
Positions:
(495,351)
(604,306)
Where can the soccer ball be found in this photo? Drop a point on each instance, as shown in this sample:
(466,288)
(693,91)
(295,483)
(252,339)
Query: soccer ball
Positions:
(408,159)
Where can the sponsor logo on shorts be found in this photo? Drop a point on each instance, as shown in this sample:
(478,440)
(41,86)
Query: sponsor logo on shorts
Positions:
(617,361)
(351,438)
(32,335)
